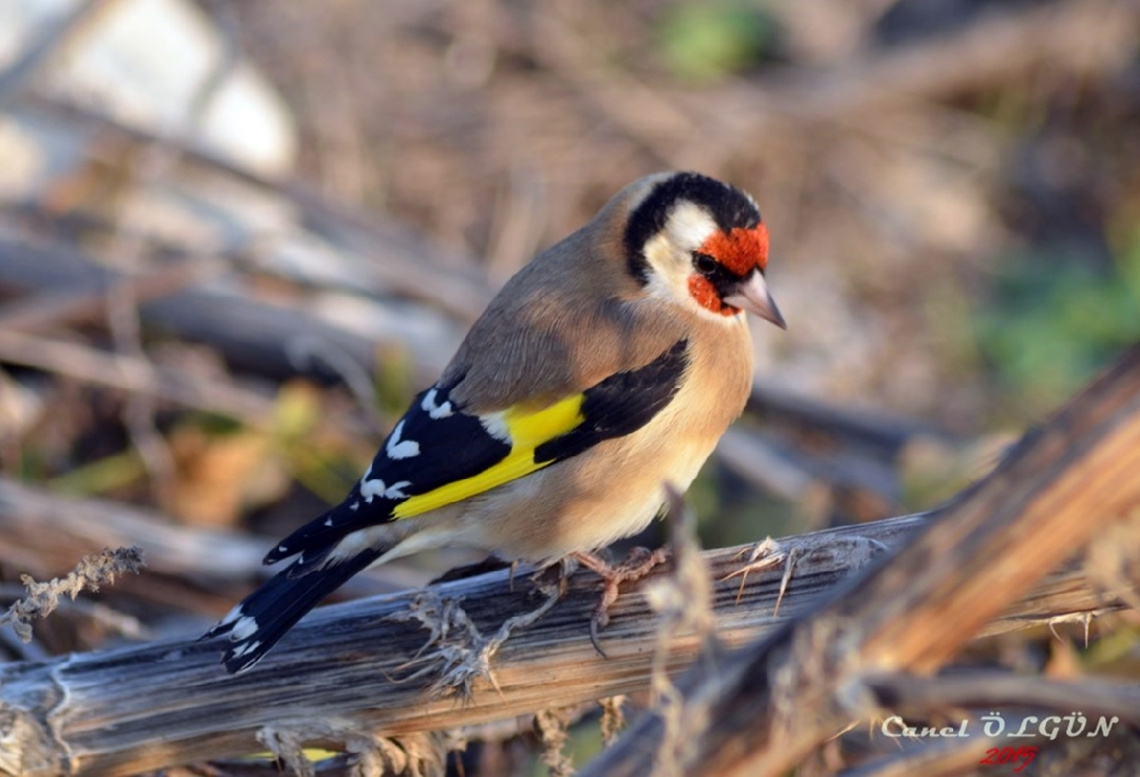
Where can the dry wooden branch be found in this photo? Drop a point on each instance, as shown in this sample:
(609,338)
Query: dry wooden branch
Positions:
(43,533)
(249,332)
(136,375)
(988,689)
(41,599)
(1083,37)
(364,667)
(774,702)
(35,524)
(53,307)
(377,255)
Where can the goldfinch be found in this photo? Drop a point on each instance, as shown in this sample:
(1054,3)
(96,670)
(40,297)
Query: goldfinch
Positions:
(609,365)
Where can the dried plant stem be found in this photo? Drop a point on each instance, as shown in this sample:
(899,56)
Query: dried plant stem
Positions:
(155,705)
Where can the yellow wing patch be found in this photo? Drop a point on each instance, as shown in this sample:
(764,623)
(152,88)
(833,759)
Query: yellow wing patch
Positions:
(527,429)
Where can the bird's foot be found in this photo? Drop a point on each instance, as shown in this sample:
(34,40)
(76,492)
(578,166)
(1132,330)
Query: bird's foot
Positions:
(638,563)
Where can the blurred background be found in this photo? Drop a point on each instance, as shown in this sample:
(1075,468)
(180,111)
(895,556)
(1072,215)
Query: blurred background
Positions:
(236,238)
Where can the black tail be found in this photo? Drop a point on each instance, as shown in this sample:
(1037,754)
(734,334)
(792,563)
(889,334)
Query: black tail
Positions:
(263,617)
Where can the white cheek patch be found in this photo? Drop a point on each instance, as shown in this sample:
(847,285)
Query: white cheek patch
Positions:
(688,227)
(670,252)
(669,279)
(666,282)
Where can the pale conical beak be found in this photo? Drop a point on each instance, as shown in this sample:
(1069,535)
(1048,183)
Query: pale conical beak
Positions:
(752,295)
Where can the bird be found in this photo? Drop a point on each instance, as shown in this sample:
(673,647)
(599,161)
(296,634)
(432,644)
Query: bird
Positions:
(607,367)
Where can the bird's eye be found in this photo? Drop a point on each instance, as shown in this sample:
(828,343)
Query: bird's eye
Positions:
(705,264)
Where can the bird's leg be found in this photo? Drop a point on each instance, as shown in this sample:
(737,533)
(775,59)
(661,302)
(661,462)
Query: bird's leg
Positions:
(638,563)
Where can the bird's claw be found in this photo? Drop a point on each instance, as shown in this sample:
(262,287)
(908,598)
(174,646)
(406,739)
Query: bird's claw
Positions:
(638,563)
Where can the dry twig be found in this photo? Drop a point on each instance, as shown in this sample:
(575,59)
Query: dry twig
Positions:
(93,571)
(329,666)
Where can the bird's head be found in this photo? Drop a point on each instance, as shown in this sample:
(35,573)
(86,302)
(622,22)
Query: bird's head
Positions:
(700,243)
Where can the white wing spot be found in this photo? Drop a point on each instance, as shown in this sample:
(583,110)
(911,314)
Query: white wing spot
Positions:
(354,506)
(365,486)
(369,487)
(434,410)
(231,616)
(396,490)
(329,522)
(248,647)
(496,426)
(401,449)
(377,487)
(244,628)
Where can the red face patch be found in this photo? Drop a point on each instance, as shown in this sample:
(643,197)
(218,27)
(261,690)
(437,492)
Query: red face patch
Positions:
(707,297)
(741,250)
